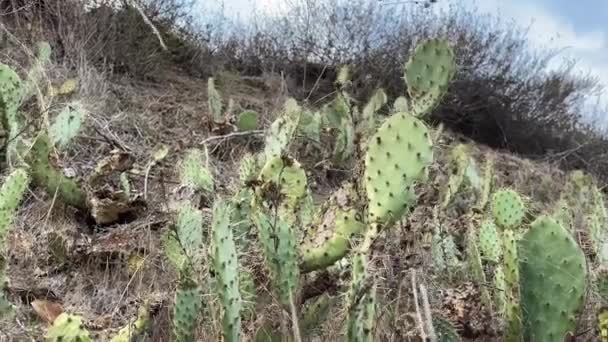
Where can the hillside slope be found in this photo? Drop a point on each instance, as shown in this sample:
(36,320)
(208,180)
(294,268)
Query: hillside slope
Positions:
(104,262)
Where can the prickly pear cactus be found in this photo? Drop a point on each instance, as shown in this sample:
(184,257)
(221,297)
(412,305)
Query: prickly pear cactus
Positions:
(336,111)
(508,209)
(490,241)
(427,74)
(282,130)
(186,310)
(398,156)
(66,124)
(368,115)
(499,290)
(279,247)
(331,240)
(310,125)
(445,330)
(194,173)
(512,290)
(134,330)
(401,105)
(248,169)
(11,88)
(189,230)
(316,314)
(551,296)
(602,323)
(53,180)
(67,327)
(287,176)
(344,145)
(486,188)
(476,268)
(214,100)
(459,161)
(11,194)
(247,121)
(361,302)
(225,264)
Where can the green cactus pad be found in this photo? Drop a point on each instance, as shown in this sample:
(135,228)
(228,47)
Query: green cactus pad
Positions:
(66,328)
(315,314)
(476,268)
(486,188)
(401,105)
(458,164)
(190,230)
(445,330)
(344,146)
(508,209)
(368,115)
(428,72)
(310,125)
(553,281)
(360,302)
(499,295)
(11,194)
(601,281)
(52,179)
(336,111)
(490,241)
(331,244)
(66,124)
(186,310)
(11,88)
(279,246)
(214,100)
(133,330)
(173,250)
(512,290)
(287,176)
(194,173)
(398,155)
(225,264)
(248,121)
(282,130)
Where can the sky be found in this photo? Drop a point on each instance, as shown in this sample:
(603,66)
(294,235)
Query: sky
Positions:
(578,28)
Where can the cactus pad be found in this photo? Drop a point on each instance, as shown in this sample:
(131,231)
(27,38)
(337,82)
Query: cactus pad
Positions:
(430,69)
(398,155)
(287,176)
(194,173)
(361,302)
(186,311)
(508,209)
(445,330)
(332,243)
(345,141)
(279,246)
(368,115)
(66,124)
(11,88)
(190,230)
(214,100)
(512,289)
(499,290)
(553,281)
(282,130)
(247,121)
(401,105)
(225,264)
(310,125)
(11,194)
(490,242)
(66,328)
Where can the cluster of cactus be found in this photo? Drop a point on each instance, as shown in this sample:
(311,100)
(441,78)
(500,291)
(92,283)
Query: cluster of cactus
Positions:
(13,92)
(247,120)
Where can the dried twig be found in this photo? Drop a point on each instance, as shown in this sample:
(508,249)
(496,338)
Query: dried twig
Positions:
(231,135)
(423,335)
(427,313)
(149,23)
